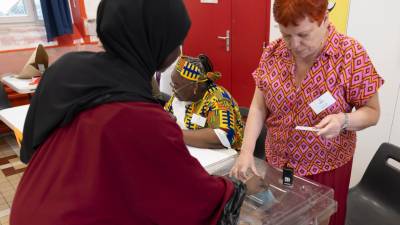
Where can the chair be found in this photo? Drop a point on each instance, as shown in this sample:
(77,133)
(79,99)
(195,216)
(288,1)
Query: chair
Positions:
(259,150)
(376,199)
(163,98)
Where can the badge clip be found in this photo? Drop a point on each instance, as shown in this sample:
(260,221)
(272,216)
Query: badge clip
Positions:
(287,175)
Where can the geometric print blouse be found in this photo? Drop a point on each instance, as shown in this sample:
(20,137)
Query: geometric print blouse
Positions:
(345,70)
(220,110)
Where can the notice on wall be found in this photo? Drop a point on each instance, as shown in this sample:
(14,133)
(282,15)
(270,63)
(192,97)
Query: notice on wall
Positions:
(339,14)
(209,1)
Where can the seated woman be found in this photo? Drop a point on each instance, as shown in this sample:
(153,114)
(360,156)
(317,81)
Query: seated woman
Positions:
(206,112)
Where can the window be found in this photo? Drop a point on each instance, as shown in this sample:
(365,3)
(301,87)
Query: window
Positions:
(20,11)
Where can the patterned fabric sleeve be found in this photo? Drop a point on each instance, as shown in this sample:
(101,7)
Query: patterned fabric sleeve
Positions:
(363,80)
(266,57)
(168,105)
(222,117)
(257,76)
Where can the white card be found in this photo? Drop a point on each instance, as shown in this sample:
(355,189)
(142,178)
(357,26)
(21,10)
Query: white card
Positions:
(323,102)
(41,68)
(306,128)
(199,120)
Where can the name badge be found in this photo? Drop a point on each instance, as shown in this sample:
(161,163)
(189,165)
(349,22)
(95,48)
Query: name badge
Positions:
(323,102)
(198,120)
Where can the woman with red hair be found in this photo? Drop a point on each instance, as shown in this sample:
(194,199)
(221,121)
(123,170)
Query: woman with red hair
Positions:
(312,77)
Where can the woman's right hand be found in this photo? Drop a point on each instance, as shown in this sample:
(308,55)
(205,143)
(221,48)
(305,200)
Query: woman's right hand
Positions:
(243,163)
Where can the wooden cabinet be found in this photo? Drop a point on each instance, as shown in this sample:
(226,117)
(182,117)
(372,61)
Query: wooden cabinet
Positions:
(15,98)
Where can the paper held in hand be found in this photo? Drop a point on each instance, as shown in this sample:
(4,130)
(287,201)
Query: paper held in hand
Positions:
(306,128)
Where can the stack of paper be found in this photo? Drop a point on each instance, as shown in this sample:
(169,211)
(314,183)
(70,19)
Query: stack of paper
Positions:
(21,86)
(213,159)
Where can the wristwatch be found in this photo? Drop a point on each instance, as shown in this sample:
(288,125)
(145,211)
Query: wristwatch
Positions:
(346,121)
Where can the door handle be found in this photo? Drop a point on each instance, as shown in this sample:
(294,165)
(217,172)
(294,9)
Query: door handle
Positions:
(227,39)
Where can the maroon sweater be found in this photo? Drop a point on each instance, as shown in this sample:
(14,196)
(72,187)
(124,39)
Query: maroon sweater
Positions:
(116,164)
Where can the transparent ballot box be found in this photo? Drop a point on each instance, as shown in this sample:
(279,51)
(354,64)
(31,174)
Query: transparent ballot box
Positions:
(269,202)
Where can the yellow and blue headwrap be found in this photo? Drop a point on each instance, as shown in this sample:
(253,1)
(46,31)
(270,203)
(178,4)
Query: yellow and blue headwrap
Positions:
(191,69)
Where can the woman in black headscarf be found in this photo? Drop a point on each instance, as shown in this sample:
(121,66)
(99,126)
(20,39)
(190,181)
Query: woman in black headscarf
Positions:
(100,149)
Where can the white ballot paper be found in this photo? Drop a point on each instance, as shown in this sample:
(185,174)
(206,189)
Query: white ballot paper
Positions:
(213,159)
(306,128)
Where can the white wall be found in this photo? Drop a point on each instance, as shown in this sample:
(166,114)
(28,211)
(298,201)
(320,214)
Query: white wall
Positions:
(395,134)
(91,12)
(274,32)
(376,24)
(91,8)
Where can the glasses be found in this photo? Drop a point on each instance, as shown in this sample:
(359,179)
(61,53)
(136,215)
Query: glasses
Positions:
(176,90)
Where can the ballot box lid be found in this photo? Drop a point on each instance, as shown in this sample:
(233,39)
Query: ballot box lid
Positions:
(305,202)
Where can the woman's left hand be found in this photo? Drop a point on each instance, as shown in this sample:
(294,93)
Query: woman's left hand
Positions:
(331,125)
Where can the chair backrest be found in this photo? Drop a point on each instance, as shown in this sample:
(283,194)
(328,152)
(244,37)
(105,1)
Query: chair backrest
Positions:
(4,101)
(163,98)
(382,179)
(259,150)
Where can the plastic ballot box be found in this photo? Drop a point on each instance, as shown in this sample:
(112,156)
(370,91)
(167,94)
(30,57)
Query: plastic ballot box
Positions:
(270,202)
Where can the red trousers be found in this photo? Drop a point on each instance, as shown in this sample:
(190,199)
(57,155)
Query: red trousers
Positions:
(339,180)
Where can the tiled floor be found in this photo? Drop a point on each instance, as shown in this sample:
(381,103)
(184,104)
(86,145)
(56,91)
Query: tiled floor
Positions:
(11,170)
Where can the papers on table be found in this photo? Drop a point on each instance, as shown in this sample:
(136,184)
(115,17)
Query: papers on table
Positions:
(213,159)
(22,86)
(14,117)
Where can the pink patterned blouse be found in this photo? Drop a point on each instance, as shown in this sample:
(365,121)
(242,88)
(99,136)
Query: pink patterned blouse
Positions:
(345,70)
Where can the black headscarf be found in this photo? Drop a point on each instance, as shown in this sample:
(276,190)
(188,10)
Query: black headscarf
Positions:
(137,36)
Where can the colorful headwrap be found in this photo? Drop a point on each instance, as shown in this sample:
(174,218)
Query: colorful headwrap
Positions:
(191,69)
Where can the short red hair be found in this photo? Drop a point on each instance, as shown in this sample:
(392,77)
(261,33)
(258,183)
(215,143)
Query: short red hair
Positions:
(289,12)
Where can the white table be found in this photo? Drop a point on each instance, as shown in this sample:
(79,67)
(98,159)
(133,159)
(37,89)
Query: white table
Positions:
(14,118)
(21,86)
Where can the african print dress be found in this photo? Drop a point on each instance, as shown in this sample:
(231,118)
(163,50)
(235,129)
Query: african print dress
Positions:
(220,111)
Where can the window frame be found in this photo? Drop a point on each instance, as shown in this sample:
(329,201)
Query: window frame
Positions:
(31,17)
